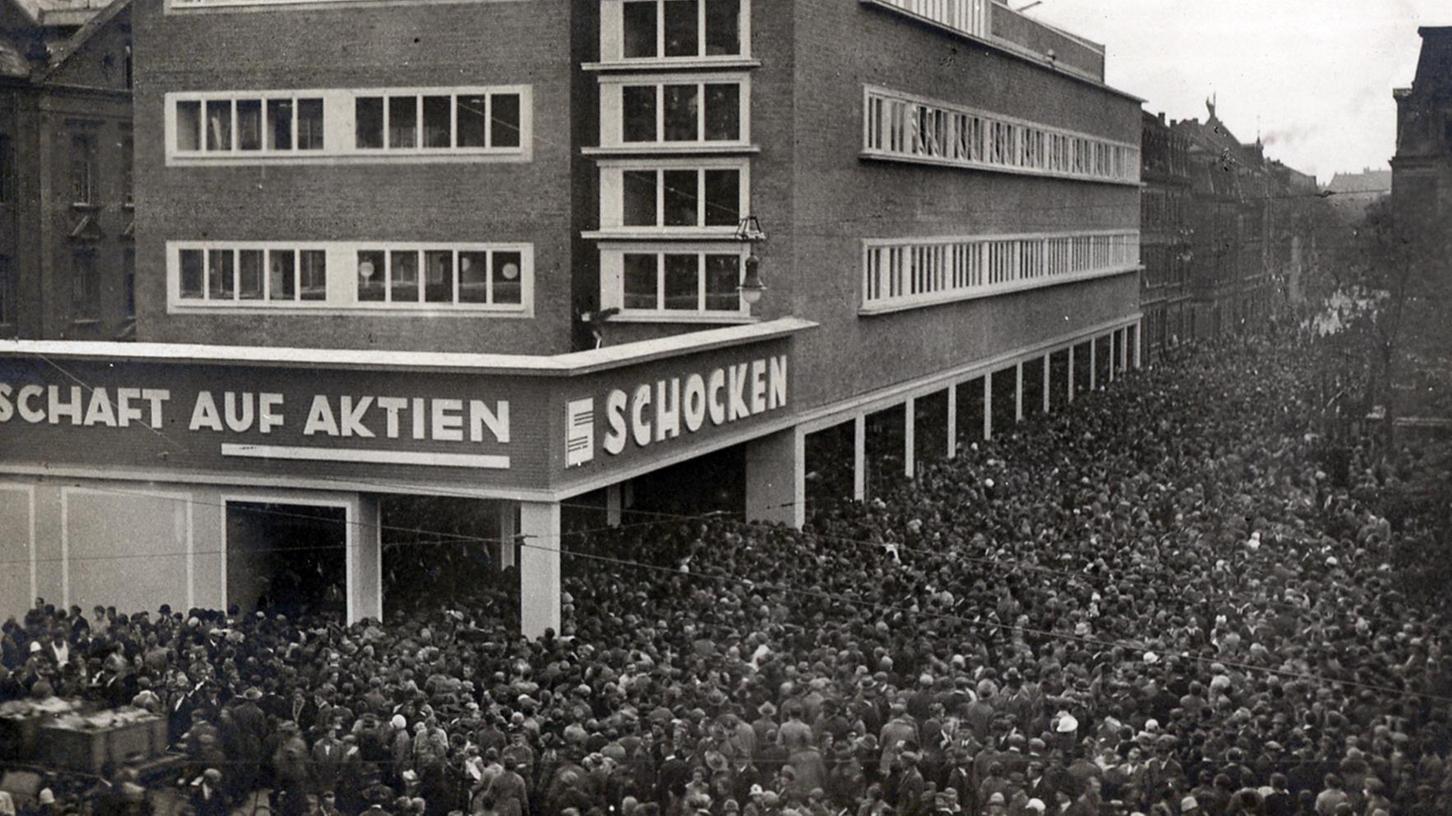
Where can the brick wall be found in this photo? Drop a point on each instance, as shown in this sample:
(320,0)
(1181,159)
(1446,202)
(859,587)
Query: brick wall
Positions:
(393,45)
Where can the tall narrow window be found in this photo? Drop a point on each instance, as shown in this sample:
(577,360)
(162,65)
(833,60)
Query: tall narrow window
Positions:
(682,28)
(188,125)
(83,169)
(219,124)
(249,124)
(438,126)
(313,274)
(279,124)
(639,107)
(128,281)
(5,162)
(723,27)
(682,111)
(310,124)
(639,198)
(505,120)
(85,287)
(640,29)
(282,274)
(368,118)
(6,292)
(128,171)
(402,122)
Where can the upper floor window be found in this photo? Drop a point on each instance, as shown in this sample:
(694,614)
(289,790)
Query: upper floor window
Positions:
(351,275)
(673,282)
(249,125)
(83,169)
(85,287)
(709,111)
(903,127)
(674,195)
(440,124)
(673,29)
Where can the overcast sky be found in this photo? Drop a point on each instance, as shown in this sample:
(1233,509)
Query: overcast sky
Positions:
(1316,75)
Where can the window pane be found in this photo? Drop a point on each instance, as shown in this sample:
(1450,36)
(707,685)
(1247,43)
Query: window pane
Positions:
(249,124)
(681,109)
(473,117)
(473,277)
(504,120)
(128,281)
(314,274)
(402,122)
(439,276)
(640,29)
(641,285)
(638,113)
(371,273)
(639,195)
(188,125)
(403,276)
(282,274)
(220,281)
(682,282)
(368,111)
(723,198)
(680,198)
(249,274)
(508,277)
(219,125)
(682,36)
(723,112)
(723,27)
(723,273)
(191,273)
(438,132)
(279,124)
(310,124)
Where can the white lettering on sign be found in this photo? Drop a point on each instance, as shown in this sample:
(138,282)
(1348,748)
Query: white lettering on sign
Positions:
(655,412)
(83,407)
(245,412)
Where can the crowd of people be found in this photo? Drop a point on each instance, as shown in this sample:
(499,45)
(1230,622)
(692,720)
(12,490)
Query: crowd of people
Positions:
(1152,602)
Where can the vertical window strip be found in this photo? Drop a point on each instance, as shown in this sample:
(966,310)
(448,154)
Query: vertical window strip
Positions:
(909,272)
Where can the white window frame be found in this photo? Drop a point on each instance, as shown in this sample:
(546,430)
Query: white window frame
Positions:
(910,273)
(892,130)
(340,128)
(612,282)
(612,114)
(612,39)
(612,198)
(341,269)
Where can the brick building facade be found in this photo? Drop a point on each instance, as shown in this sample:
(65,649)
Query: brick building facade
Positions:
(1422,169)
(1165,231)
(441,209)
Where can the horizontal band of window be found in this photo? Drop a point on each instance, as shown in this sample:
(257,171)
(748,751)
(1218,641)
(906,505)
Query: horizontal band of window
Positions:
(318,157)
(715,318)
(673,149)
(662,234)
(183,307)
(958,164)
(672,64)
(954,296)
(183,7)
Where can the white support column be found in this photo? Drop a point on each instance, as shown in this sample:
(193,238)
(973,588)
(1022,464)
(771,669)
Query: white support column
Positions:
(1124,349)
(776,478)
(1048,380)
(909,437)
(988,405)
(859,457)
(1093,363)
(1138,343)
(613,508)
(1018,393)
(1113,357)
(364,592)
(1071,373)
(952,421)
(539,568)
(506,547)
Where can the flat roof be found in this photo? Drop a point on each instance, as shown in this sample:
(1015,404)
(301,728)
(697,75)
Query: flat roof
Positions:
(560,365)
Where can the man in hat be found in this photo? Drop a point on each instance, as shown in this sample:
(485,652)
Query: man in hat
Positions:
(207,797)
